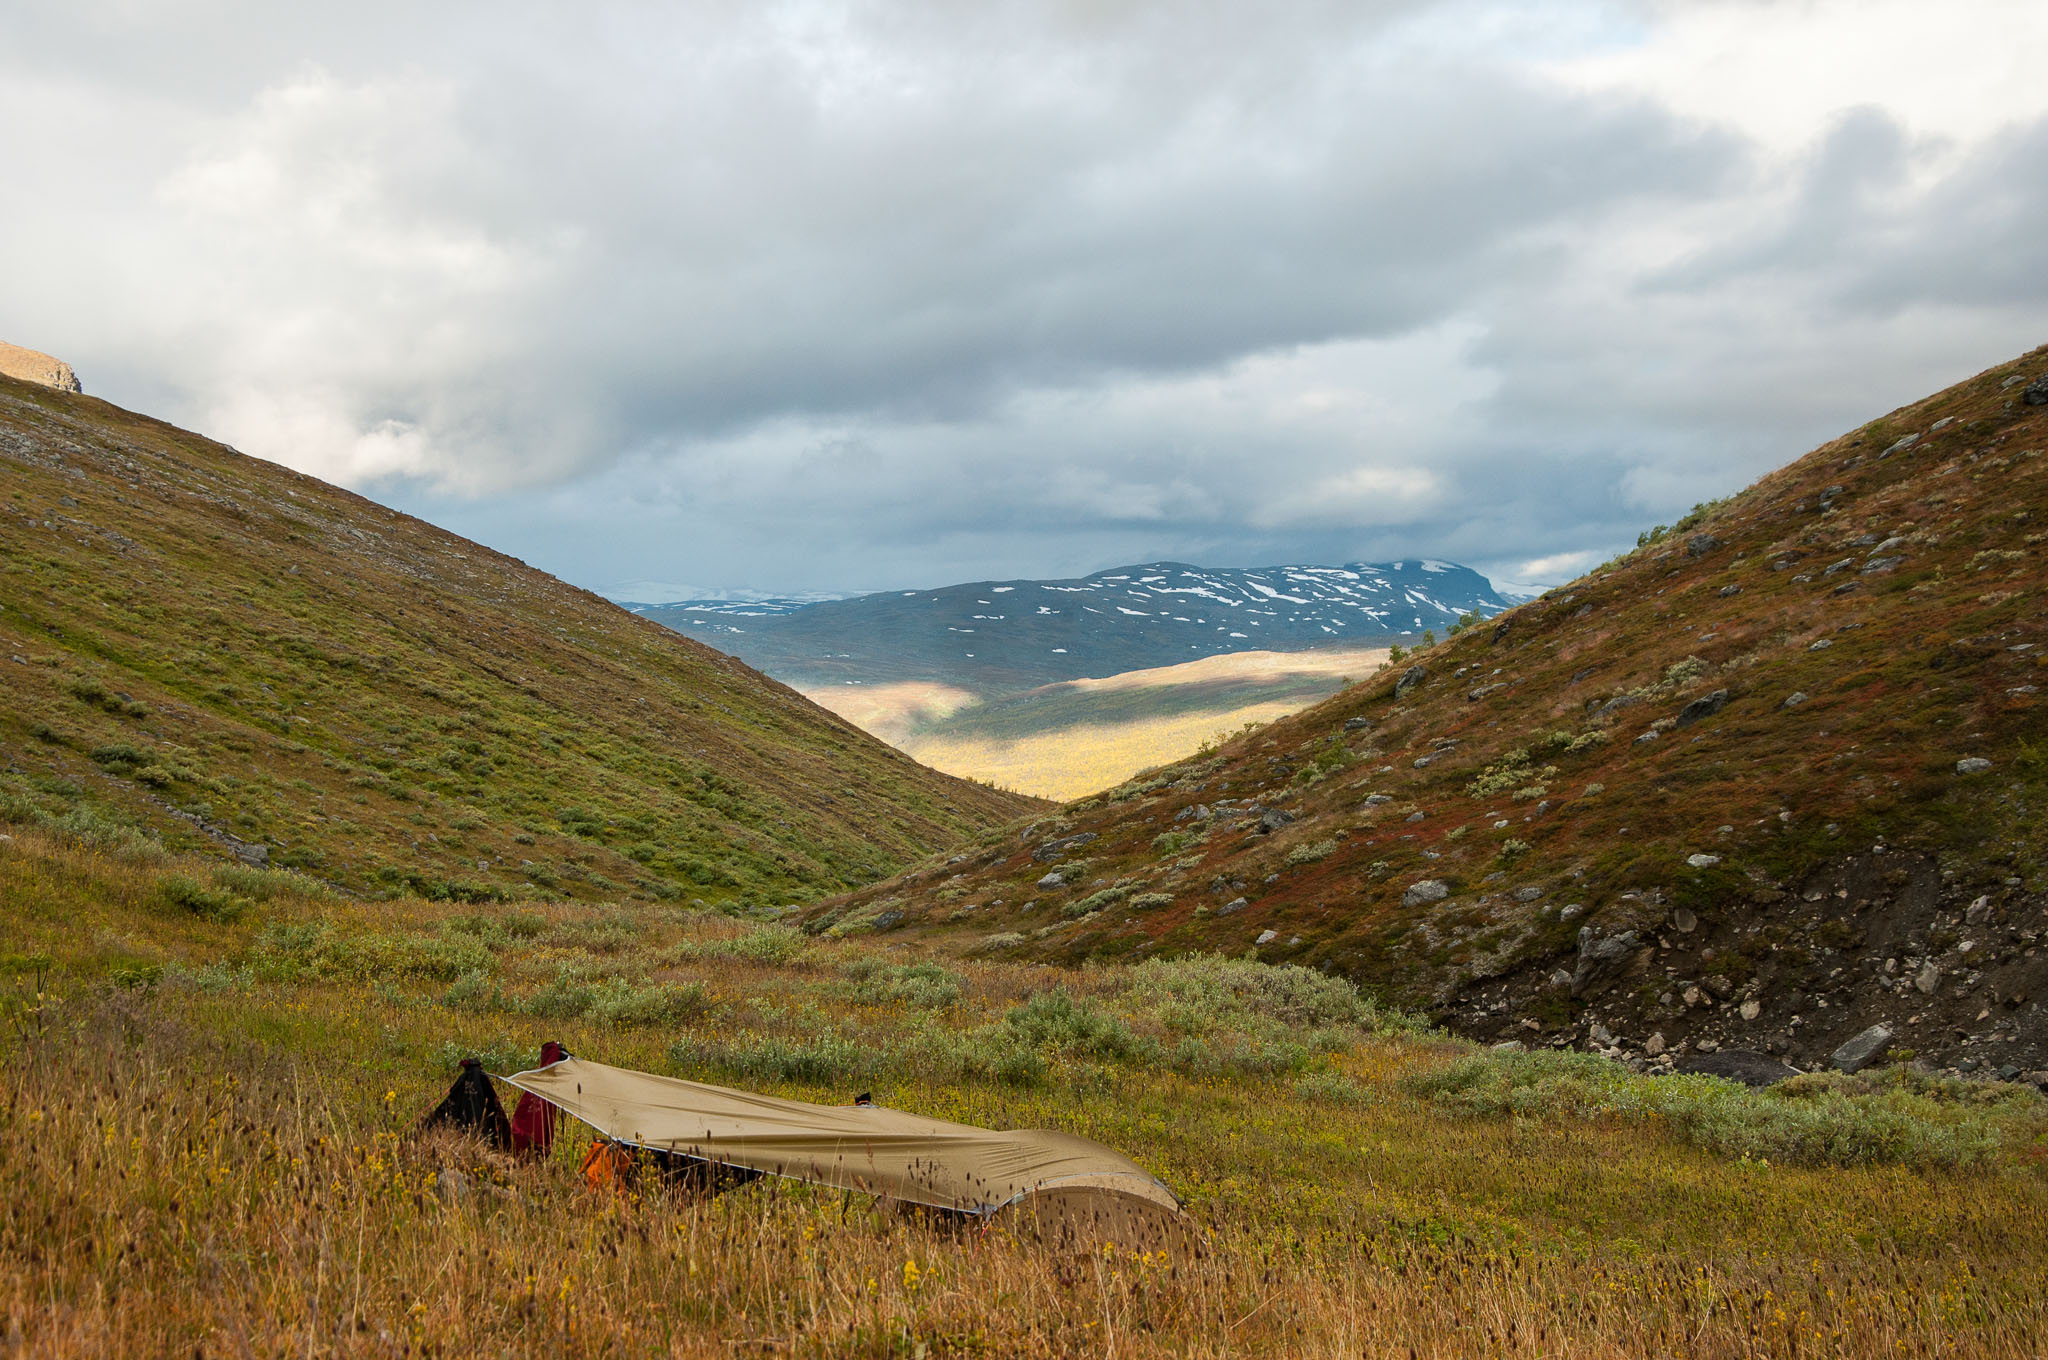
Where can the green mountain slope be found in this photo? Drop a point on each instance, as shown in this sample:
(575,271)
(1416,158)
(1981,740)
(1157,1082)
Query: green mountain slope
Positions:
(1774,777)
(222,654)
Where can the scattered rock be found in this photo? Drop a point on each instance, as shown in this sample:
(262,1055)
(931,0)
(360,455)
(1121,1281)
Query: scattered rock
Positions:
(1615,705)
(1267,937)
(1978,912)
(1528,892)
(1794,699)
(1357,724)
(1055,879)
(1508,1046)
(1410,678)
(1272,820)
(1416,817)
(1862,1050)
(255,856)
(1735,1064)
(1600,1034)
(1650,735)
(1972,765)
(889,920)
(1654,1044)
(1427,891)
(1683,920)
(1702,861)
(1751,1009)
(1602,957)
(1842,565)
(1900,446)
(1881,564)
(1476,695)
(1560,978)
(1052,850)
(1376,799)
(1820,646)
(1234,905)
(1729,592)
(1699,545)
(1706,706)
(1927,979)
(2035,395)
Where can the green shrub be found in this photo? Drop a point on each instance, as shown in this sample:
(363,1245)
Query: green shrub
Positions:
(1309,854)
(826,1060)
(1097,901)
(926,985)
(1151,901)
(767,944)
(619,1003)
(1330,1088)
(1055,1020)
(97,831)
(120,758)
(186,893)
(1810,1122)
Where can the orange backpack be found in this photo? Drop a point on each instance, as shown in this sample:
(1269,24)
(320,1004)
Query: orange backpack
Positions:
(608,1166)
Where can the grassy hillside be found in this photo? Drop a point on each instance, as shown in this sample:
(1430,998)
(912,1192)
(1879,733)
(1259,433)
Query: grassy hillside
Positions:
(1774,777)
(219,1155)
(203,651)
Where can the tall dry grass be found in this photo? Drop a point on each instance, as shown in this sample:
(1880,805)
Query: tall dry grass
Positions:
(173,1192)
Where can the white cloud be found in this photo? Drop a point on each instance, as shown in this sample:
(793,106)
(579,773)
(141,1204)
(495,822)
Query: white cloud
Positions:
(803,296)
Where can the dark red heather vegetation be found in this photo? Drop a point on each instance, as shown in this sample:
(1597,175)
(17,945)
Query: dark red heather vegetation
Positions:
(1772,778)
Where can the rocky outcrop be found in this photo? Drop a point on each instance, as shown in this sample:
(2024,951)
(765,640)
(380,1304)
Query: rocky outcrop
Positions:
(36,367)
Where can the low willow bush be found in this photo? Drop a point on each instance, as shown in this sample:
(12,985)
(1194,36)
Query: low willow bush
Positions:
(927,986)
(1202,995)
(1819,1120)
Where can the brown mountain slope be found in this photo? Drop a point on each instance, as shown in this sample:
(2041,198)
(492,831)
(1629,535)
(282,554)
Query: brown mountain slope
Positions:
(230,656)
(1725,790)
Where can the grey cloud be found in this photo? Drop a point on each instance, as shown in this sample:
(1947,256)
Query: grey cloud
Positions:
(803,296)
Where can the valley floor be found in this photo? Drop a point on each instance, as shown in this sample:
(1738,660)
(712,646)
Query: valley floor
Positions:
(209,1122)
(1068,740)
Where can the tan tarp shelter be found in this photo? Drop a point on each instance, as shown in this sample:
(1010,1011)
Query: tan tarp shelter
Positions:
(1053,1183)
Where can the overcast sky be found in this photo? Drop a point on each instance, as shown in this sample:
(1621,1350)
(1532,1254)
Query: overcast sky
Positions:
(792,297)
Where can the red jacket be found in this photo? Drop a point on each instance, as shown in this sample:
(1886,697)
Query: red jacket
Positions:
(533,1122)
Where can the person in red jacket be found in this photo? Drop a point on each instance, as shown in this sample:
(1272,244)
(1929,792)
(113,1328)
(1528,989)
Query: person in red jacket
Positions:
(533,1121)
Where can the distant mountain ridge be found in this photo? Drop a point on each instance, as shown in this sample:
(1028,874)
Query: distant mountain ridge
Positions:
(1003,636)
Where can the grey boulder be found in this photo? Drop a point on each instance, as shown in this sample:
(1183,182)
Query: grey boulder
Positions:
(1602,958)
(1862,1050)
(1706,706)
(1427,891)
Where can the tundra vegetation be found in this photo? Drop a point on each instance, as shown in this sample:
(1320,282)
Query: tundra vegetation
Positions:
(210,1121)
